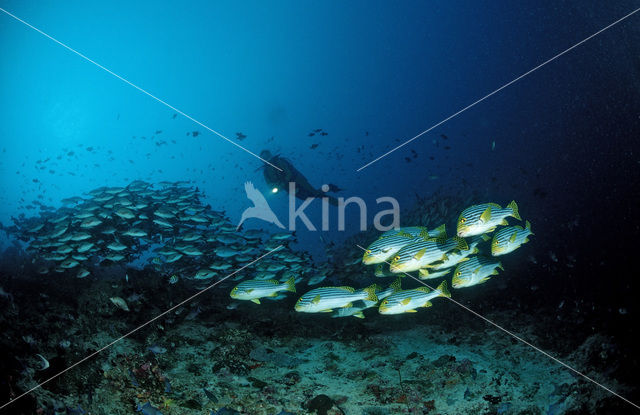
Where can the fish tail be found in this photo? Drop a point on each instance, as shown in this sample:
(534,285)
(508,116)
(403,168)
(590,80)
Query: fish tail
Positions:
(397,284)
(443,289)
(527,226)
(291,284)
(441,230)
(514,209)
(461,244)
(371,293)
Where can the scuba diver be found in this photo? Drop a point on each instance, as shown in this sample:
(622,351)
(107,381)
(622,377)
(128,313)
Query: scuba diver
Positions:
(279,180)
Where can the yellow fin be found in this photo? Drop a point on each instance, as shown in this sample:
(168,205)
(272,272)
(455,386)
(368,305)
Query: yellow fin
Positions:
(444,290)
(486,215)
(427,304)
(406,301)
(420,253)
(513,237)
(359,314)
(461,244)
(410,311)
(514,209)
(504,222)
(371,293)
(255,300)
(350,289)
(316,299)
(291,284)
(347,305)
(440,231)
(527,226)
(396,285)
(327,311)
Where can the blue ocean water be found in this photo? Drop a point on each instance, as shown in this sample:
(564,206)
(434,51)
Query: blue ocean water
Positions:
(562,141)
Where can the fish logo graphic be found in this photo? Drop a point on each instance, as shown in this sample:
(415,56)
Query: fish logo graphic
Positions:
(260,208)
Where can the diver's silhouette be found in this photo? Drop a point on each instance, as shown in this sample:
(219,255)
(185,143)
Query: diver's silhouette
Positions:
(260,208)
(280,179)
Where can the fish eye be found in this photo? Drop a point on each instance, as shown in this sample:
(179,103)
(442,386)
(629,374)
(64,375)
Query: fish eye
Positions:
(396,258)
(458,273)
(368,252)
(463,220)
(496,243)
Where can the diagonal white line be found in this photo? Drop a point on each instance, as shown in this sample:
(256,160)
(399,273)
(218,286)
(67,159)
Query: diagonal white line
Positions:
(138,88)
(498,90)
(520,339)
(138,328)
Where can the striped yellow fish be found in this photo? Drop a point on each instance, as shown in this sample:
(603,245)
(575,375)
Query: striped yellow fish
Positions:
(325,299)
(483,218)
(253,290)
(386,247)
(356,309)
(406,301)
(427,274)
(439,232)
(510,238)
(453,258)
(474,271)
(420,254)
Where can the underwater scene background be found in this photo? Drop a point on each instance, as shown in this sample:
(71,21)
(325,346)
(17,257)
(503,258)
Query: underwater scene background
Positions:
(154,261)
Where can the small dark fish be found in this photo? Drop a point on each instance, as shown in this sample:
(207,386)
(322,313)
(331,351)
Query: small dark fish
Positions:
(447,148)
(134,381)
(366,133)
(323,133)
(147,409)
(195,133)
(210,396)
(174,116)
(407,159)
(314,146)
(317,130)
(158,132)
(444,136)
(311,134)
(155,349)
